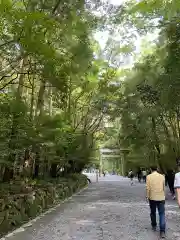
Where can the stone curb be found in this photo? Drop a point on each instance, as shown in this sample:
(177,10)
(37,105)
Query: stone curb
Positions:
(30,223)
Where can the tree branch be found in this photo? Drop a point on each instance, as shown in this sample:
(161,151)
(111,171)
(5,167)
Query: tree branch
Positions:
(56,7)
(6,76)
(97,120)
(10,66)
(98,124)
(6,43)
(10,82)
(22,85)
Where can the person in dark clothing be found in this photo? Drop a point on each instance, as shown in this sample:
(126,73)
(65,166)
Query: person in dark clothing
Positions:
(88,179)
(139,175)
(166,180)
(170,180)
(144,175)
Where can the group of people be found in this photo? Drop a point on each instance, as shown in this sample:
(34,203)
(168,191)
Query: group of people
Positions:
(141,174)
(155,190)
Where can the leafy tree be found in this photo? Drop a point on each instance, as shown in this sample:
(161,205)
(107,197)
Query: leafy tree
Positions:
(149,108)
(52,88)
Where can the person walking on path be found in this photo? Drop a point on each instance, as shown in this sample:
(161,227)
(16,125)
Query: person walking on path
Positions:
(139,173)
(144,175)
(177,185)
(131,176)
(155,189)
(170,181)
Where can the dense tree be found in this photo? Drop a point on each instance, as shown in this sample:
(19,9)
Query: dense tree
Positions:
(58,85)
(52,88)
(148,106)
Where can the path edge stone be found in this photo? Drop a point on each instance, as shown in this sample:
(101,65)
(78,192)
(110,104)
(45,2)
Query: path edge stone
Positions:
(51,209)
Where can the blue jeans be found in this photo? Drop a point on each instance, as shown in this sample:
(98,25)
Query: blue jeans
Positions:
(160,205)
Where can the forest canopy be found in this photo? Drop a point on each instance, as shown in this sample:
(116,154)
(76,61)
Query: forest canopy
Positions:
(59,84)
(148,106)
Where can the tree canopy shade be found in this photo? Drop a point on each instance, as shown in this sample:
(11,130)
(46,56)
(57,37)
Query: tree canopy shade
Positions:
(148,106)
(58,86)
(52,101)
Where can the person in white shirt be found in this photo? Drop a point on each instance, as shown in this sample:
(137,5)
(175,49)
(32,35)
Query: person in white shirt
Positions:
(131,176)
(177,185)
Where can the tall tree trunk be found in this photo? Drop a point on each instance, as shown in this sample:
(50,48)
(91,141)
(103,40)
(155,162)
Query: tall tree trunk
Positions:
(68,109)
(157,143)
(175,135)
(32,100)
(177,121)
(39,111)
(40,101)
(8,173)
(167,133)
(50,100)
(37,162)
(53,170)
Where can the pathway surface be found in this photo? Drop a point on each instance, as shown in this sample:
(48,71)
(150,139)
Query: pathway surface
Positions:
(108,210)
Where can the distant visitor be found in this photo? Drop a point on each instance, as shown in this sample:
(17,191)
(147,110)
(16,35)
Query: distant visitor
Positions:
(131,176)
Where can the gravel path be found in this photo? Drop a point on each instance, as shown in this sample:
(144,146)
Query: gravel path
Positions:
(108,210)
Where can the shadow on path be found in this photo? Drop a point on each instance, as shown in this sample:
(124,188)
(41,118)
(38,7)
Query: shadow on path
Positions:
(110,209)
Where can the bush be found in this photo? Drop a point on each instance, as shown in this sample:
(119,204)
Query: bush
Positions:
(17,208)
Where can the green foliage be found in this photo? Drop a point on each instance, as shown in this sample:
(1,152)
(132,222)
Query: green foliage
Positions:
(25,201)
(53,91)
(146,103)
(150,107)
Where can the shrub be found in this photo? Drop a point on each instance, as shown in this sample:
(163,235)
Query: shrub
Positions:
(17,208)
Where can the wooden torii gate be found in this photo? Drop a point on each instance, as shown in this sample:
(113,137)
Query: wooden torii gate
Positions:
(113,153)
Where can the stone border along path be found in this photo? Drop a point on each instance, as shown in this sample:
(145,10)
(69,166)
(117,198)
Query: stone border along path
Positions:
(31,222)
(108,210)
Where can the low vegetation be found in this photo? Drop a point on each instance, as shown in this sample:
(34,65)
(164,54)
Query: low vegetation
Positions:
(22,201)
